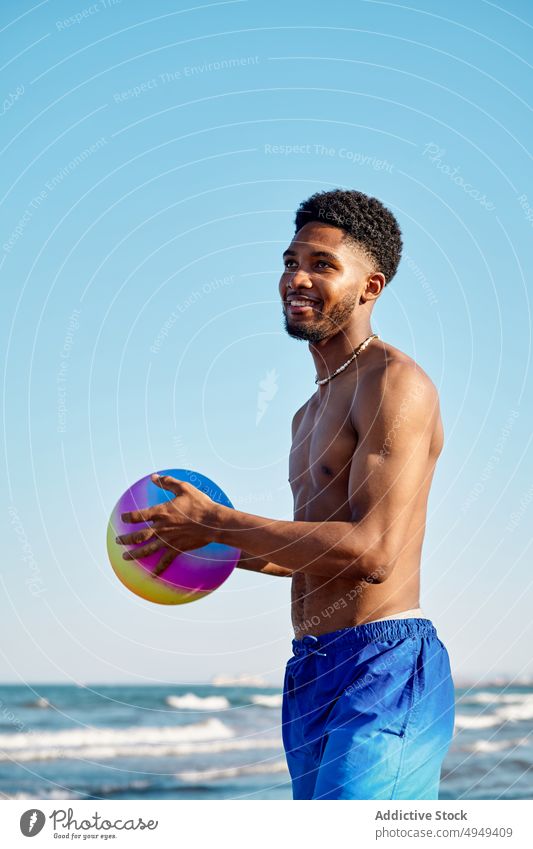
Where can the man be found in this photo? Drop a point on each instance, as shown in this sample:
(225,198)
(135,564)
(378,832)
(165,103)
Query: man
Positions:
(368,704)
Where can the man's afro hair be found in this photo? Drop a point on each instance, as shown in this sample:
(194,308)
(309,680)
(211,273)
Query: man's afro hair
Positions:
(365,221)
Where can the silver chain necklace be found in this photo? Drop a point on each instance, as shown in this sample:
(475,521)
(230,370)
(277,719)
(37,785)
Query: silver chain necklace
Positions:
(354,355)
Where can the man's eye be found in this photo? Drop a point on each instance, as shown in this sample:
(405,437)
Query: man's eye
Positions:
(323,262)
(289,262)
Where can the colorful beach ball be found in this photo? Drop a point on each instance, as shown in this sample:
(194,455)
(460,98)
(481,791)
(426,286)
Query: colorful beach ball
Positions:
(192,574)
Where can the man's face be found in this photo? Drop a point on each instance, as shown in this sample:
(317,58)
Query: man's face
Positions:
(322,282)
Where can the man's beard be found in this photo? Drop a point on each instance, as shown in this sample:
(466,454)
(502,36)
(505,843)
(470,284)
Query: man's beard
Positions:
(323,326)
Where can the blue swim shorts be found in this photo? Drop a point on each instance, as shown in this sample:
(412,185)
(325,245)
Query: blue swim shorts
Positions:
(368,712)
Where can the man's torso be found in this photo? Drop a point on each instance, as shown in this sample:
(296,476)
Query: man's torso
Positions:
(325,437)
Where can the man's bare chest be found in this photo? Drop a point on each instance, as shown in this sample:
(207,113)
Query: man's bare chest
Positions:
(322,448)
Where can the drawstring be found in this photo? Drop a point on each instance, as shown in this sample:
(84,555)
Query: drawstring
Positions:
(302,648)
(307,645)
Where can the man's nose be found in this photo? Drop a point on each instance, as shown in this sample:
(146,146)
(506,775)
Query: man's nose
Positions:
(299,280)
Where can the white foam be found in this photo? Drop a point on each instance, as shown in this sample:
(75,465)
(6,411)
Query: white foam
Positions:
(190,701)
(516,712)
(507,707)
(41,703)
(106,742)
(232,772)
(464,720)
(479,699)
(103,789)
(488,746)
(267,700)
(207,730)
(41,794)
(106,789)
(209,737)
(486,698)
(100,753)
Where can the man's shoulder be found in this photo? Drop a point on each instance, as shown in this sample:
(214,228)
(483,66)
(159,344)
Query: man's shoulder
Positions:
(393,378)
(390,367)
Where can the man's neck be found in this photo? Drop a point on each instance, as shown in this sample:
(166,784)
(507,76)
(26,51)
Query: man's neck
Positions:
(331,353)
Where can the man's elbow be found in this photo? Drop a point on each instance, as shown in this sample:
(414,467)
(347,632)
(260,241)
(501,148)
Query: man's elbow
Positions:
(373,567)
(378,571)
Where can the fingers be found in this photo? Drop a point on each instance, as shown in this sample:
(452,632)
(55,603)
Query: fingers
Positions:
(135,537)
(167,482)
(159,510)
(164,562)
(147,515)
(144,550)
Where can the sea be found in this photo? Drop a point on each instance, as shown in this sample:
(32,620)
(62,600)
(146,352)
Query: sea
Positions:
(223,741)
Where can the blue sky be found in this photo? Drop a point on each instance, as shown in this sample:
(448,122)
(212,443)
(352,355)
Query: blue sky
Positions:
(152,162)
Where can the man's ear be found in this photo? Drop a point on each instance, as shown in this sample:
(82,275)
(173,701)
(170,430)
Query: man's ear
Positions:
(374,286)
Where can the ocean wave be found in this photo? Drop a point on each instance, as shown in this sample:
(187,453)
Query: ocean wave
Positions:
(517,712)
(486,698)
(489,746)
(203,775)
(107,742)
(190,701)
(208,729)
(267,700)
(509,707)
(106,789)
(41,703)
(41,793)
(100,753)
(209,737)
(479,699)
(465,720)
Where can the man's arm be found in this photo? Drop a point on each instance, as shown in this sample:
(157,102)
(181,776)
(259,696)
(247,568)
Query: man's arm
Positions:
(388,469)
(257,564)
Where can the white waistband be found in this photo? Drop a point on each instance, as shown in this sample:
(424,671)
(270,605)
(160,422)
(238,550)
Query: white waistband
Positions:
(413,613)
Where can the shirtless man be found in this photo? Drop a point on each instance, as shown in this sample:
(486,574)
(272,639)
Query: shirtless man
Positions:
(368,703)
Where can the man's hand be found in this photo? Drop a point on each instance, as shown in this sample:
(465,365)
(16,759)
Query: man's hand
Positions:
(182,524)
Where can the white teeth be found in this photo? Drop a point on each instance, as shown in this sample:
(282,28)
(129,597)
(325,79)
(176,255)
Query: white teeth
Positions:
(302,303)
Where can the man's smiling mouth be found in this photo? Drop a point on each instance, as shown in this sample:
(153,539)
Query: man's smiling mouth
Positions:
(301,304)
